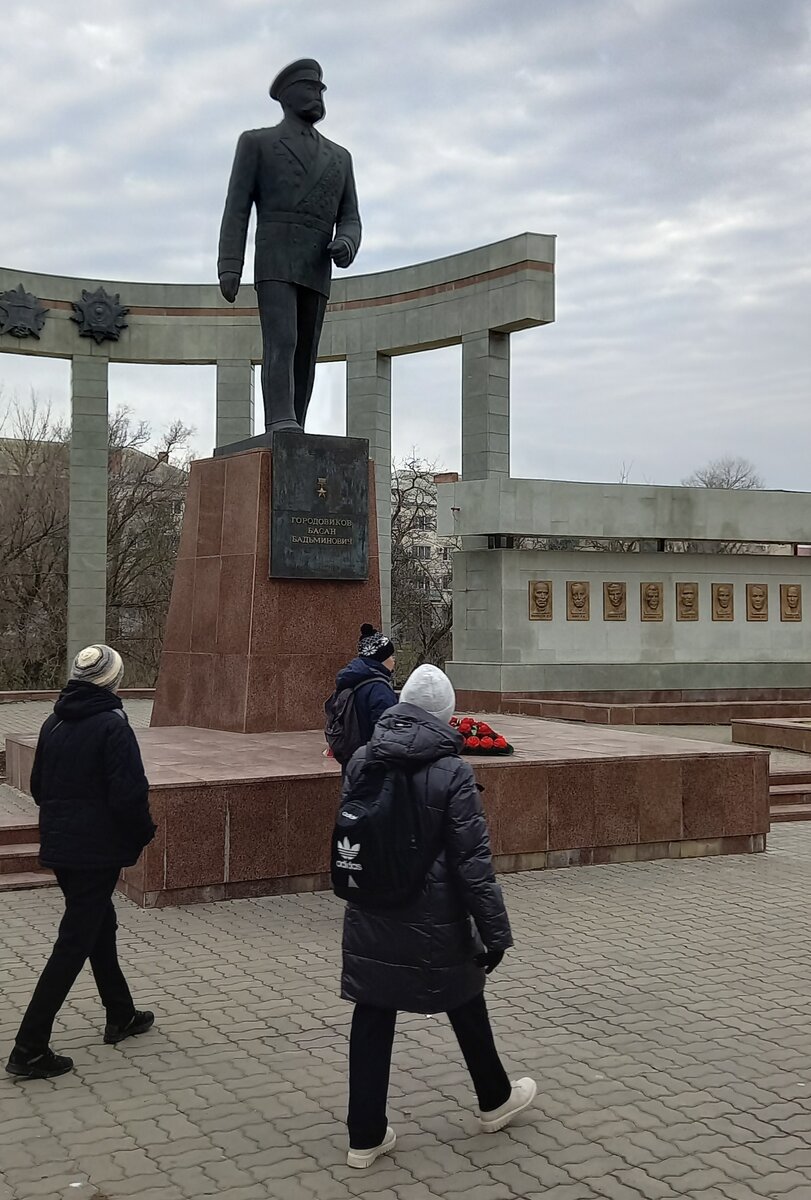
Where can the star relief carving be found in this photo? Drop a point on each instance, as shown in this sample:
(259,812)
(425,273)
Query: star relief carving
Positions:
(21,314)
(99,315)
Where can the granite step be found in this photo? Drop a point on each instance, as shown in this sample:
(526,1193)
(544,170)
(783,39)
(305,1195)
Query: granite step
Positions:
(790,793)
(781,778)
(22,857)
(17,831)
(781,813)
(24,880)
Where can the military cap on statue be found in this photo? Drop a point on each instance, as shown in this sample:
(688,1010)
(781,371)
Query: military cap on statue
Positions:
(303,69)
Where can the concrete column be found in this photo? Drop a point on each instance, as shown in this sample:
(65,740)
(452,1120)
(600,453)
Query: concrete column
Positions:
(485,404)
(368,415)
(87,534)
(235,400)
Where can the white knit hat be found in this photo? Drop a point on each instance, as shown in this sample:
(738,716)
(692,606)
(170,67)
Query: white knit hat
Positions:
(100,665)
(430,689)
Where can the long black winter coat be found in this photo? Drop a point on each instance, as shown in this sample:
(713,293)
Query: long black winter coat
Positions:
(422,958)
(372,700)
(88,780)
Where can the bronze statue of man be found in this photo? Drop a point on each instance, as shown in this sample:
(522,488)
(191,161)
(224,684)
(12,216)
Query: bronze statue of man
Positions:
(307,219)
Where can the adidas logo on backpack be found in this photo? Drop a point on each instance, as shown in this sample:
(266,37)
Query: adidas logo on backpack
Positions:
(348,853)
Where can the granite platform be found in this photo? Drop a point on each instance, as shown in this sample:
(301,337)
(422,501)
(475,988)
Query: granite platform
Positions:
(718,706)
(245,815)
(783,733)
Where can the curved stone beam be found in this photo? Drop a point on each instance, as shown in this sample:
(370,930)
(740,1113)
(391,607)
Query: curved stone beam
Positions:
(504,287)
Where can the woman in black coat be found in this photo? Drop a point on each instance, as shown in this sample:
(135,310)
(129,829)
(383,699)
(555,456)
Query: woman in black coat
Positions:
(89,783)
(431,956)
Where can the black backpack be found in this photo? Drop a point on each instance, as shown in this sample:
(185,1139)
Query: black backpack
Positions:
(342,726)
(379,854)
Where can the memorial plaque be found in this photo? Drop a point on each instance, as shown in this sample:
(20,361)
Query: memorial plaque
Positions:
(578,600)
(319,508)
(615,601)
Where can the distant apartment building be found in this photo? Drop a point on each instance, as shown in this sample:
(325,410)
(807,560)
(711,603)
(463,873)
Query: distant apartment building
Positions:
(415,541)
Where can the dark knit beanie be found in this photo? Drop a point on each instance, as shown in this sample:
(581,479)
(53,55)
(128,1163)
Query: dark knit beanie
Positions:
(374,644)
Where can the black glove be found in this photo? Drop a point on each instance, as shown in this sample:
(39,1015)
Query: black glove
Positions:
(489,960)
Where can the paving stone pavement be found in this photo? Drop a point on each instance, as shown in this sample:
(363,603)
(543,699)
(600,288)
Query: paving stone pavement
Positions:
(664,1008)
(27,716)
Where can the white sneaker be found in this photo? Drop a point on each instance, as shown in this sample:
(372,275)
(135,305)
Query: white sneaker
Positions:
(365,1158)
(523,1093)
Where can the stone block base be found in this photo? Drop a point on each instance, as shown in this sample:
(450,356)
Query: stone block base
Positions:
(243,652)
(244,815)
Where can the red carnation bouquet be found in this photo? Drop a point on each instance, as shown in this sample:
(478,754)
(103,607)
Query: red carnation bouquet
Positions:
(480,738)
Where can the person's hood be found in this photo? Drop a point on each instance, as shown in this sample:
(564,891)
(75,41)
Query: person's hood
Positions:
(79,699)
(358,670)
(407,735)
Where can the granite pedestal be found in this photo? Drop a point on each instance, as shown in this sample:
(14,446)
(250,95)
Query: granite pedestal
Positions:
(243,652)
(251,815)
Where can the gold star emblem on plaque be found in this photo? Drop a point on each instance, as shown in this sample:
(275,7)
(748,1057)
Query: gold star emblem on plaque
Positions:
(321,490)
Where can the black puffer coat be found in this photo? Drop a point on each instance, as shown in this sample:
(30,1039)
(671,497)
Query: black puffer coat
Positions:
(88,780)
(422,958)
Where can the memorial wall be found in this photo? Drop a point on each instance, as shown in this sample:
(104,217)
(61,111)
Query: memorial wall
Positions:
(534,620)
(570,621)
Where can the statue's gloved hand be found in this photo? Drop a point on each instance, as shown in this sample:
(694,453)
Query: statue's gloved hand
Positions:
(341,252)
(229,285)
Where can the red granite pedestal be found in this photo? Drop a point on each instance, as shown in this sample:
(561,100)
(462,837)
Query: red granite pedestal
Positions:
(251,815)
(242,652)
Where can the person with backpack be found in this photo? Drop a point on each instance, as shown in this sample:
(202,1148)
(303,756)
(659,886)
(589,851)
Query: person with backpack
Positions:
(363,692)
(88,780)
(425,920)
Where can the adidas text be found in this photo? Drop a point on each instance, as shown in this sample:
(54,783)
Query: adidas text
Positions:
(348,866)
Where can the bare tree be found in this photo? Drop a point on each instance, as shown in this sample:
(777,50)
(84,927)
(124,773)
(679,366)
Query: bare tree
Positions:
(726,472)
(145,505)
(421,597)
(33,546)
(147,489)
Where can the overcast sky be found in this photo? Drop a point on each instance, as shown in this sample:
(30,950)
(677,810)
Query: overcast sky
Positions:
(664,142)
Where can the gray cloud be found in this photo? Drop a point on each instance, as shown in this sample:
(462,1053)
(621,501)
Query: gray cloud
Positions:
(665,142)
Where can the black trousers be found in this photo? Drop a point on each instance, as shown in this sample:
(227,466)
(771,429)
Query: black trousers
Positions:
(370,1047)
(291,319)
(87,931)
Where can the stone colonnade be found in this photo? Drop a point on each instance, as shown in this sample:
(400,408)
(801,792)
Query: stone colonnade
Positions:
(476,298)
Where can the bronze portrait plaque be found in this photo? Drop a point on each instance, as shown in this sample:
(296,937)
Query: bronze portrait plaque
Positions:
(540,599)
(578,604)
(652,601)
(687,601)
(614,602)
(723,602)
(757,601)
(791,602)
